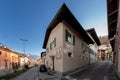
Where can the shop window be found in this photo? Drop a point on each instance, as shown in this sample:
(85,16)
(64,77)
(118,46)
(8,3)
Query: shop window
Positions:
(69,37)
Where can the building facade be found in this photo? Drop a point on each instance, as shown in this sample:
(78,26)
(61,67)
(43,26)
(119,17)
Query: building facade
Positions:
(5,58)
(94,47)
(23,59)
(66,43)
(113,13)
(105,52)
(8,58)
(43,57)
(14,58)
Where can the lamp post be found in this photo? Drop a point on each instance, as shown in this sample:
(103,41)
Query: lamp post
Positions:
(24,40)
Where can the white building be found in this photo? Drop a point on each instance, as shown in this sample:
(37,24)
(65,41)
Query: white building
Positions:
(94,52)
(66,43)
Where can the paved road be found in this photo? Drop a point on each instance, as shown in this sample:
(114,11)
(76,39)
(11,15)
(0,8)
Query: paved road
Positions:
(96,71)
(32,74)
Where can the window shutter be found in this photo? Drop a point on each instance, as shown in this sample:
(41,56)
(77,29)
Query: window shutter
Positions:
(54,42)
(50,46)
(66,35)
(73,40)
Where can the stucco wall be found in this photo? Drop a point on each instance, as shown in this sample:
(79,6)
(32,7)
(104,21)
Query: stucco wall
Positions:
(74,62)
(4,58)
(57,33)
(94,47)
(66,63)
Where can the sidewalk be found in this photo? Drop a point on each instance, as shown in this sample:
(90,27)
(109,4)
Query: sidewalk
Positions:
(6,71)
(33,74)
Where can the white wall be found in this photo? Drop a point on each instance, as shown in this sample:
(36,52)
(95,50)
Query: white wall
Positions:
(57,33)
(72,63)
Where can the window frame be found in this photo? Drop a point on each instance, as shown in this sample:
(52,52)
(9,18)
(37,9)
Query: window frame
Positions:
(6,54)
(53,44)
(70,54)
(70,38)
(0,52)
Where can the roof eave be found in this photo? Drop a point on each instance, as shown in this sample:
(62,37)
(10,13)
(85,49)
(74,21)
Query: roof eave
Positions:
(65,14)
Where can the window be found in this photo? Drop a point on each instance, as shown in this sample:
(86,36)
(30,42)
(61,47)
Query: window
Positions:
(69,37)
(83,57)
(83,48)
(6,65)
(80,56)
(13,58)
(53,44)
(5,54)
(87,58)
(0,52)
(91,52)
(70,54)
(47,50)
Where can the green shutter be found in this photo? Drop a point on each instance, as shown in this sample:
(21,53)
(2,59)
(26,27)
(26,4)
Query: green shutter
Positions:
(73,40)
(66,35)
(50,46)
(54,42)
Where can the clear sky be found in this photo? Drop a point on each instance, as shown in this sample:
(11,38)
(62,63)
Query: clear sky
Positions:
(28,19)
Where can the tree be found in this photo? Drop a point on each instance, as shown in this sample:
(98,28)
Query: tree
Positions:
(110,53)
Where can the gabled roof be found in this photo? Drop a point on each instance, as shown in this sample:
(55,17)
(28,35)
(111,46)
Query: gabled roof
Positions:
(92,32)
(65,14)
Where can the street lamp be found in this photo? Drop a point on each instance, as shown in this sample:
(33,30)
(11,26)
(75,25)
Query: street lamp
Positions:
(24,40)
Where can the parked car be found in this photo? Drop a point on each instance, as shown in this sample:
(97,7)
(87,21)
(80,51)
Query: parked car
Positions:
(42,68)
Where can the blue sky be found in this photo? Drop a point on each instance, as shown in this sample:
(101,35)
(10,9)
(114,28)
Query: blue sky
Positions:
(28,19)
